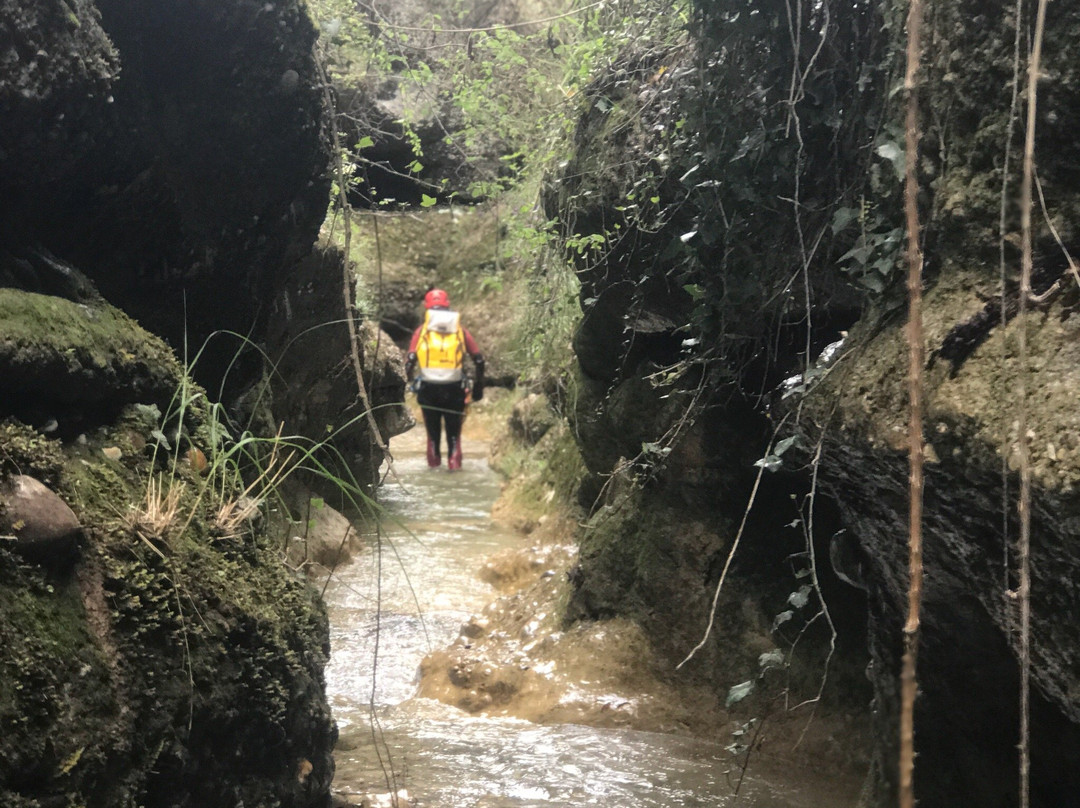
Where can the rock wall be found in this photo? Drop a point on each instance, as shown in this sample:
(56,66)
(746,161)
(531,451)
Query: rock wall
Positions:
(169,158)
(731,217)
(153,650)
(967,711)
(180,162)
(176,155)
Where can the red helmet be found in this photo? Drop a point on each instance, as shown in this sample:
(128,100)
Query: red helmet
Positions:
(436,297)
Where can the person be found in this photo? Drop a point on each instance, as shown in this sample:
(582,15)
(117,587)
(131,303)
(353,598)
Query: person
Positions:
(438,349)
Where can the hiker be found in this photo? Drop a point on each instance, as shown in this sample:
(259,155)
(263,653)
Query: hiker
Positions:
(438,349)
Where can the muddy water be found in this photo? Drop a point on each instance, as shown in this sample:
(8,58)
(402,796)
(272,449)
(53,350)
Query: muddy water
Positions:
(388,609)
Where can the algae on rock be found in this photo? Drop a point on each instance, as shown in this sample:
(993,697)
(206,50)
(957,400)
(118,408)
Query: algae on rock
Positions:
(184,668)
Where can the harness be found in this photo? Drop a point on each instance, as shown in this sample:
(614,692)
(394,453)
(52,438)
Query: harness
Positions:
(440,351)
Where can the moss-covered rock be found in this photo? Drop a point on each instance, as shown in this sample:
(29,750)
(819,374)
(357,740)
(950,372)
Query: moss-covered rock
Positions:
(77,364)
(967,661)
(174,153)
(179,662)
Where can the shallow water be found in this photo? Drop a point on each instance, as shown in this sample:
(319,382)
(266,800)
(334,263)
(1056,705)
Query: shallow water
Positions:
(388,609)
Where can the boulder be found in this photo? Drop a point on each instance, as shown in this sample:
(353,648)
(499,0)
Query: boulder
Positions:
(173,152)
(308,343)
(44,527)
(531,418)
(323,537)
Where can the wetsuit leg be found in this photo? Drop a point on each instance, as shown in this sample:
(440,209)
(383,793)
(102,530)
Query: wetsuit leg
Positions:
(454,415)
(444,402)
(431,408)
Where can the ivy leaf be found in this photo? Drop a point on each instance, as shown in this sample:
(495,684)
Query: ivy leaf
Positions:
(771,659)
(782,618)
(873,283)
(426,201)
(800,598)
(784,445)
(739,692)
(770,463)
(842,218)
(895,155)
(365,142)
(158,435)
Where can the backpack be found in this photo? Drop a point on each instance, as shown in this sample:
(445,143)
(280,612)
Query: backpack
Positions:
(440,351)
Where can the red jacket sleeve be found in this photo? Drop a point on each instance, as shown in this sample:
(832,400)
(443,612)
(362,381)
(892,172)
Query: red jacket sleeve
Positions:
(415,339)
(470,343)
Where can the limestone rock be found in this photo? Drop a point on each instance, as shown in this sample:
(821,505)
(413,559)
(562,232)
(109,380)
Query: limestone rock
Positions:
(531,418)
(44,527)
(328,540)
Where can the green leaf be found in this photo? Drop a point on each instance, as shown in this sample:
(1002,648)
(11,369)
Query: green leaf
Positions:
(782,618)
(873,283)
(800,598)
(426,201)
(842,218)
(739,692)
(784,445)
(771,659)
(365,142)
(770,462)
(160,437)
(895,155)
(694,290)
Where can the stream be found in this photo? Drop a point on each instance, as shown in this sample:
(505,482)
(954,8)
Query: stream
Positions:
(389,609)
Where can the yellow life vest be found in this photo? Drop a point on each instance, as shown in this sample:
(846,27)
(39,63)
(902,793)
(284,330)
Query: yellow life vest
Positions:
(440,350)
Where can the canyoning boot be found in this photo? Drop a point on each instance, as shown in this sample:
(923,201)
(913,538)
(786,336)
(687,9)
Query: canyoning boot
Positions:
(453,458)
(433,459)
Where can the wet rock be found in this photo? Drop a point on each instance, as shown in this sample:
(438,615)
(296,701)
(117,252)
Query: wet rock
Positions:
(80,363)
(476,627)
(323,536)
(531,418)
(472,683)
(510,570)
(45,528)
(310,347)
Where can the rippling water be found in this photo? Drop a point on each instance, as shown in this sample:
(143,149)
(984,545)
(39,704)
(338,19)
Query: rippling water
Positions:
(388,609)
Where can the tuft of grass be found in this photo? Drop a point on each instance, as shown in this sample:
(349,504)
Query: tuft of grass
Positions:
(233,513)
(152,520)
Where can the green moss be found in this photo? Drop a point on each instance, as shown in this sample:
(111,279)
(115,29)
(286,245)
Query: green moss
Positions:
(24,451)
(96,337)
(545,478)
(55,693)
(198,649)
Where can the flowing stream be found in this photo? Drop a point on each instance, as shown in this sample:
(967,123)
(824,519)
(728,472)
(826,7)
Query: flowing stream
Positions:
(388,609)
